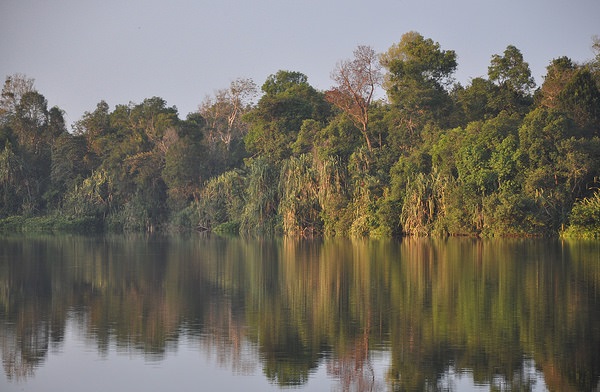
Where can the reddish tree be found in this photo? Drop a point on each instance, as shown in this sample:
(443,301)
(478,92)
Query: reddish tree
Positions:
(356,80)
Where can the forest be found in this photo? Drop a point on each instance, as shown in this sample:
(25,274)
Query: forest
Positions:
(394,148)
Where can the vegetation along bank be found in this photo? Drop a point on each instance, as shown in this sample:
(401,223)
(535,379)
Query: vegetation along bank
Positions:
(499,156)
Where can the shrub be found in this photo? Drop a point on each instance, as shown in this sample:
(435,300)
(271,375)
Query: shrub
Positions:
(585,218)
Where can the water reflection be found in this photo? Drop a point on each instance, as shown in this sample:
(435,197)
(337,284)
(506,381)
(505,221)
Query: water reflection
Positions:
(513,314)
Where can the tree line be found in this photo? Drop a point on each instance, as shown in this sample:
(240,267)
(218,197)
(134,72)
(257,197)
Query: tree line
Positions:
(498,156)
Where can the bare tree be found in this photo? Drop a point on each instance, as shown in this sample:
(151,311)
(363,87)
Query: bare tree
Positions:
(15,86)
(357,79)
(223,111)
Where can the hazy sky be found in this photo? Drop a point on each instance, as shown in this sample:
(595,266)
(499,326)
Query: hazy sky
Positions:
(82,51)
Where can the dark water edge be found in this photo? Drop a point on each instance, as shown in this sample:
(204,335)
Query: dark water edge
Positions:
(119,312)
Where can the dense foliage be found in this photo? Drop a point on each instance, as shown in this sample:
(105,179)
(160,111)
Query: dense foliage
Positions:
(495,157)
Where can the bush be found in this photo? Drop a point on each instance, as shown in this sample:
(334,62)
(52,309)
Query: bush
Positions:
(585,218)
(227,228)
(221,200)
(51,223)
(260,215)
(184,220)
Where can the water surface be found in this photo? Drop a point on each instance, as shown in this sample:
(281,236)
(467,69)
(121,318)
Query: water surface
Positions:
(125,313)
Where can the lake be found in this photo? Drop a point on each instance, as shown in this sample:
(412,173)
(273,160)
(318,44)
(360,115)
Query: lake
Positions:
(123,313)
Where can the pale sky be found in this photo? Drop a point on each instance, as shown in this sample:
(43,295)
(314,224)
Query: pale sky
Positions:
(83,51)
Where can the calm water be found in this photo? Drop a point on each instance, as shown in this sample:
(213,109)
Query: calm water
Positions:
(195,313)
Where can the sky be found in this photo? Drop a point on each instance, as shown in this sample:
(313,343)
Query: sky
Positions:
(83,51)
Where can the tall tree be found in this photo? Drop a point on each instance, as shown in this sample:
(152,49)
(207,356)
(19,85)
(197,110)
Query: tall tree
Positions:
(357,80)
(558,74)
(580,98)
(225,130)
(184,166)
(30,130)
(473,102)
(283,81)
(512,74)
(95,127)
(558,164)
(15,86)
(511,70)
(31,121)
(571,88)
(224,111)
(419,72)
(275,122)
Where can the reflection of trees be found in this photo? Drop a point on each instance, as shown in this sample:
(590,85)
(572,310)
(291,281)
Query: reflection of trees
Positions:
(474,308)
(26,329)
(568,349)
(486,308)
(227,338)
(352,366)
(23,349)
